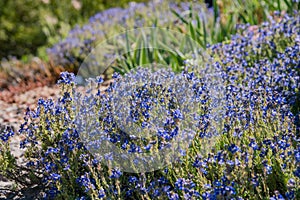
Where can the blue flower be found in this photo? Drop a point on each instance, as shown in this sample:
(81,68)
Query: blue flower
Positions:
(51,150)
(297,172)
(177,114)
(66,78)
(101,193)
(233,148)
(55,176)
(116,173)
(6,134)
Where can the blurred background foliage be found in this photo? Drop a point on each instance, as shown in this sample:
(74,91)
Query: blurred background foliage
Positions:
(28,27)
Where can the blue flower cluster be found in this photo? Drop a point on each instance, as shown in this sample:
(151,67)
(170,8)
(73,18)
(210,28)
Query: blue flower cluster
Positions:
(142,112)
(257,153)
(6,133)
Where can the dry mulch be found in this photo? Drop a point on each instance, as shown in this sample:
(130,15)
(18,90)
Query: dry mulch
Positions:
(14,104)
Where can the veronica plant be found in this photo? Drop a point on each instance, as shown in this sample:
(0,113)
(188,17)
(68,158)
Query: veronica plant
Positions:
(256,153)
(64,142)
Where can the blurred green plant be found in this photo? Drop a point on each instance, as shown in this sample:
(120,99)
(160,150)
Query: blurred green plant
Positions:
(30,26)
(20,27)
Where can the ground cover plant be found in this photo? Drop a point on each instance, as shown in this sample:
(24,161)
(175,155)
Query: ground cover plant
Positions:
(256,150)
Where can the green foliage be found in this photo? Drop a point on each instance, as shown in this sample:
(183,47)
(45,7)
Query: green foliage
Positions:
(7,160)
(276,181)
(221,24)
(20,27)
(161,46)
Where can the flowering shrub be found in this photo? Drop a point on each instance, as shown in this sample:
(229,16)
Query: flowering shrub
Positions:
(257,153)
(53,136)
(261,136)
